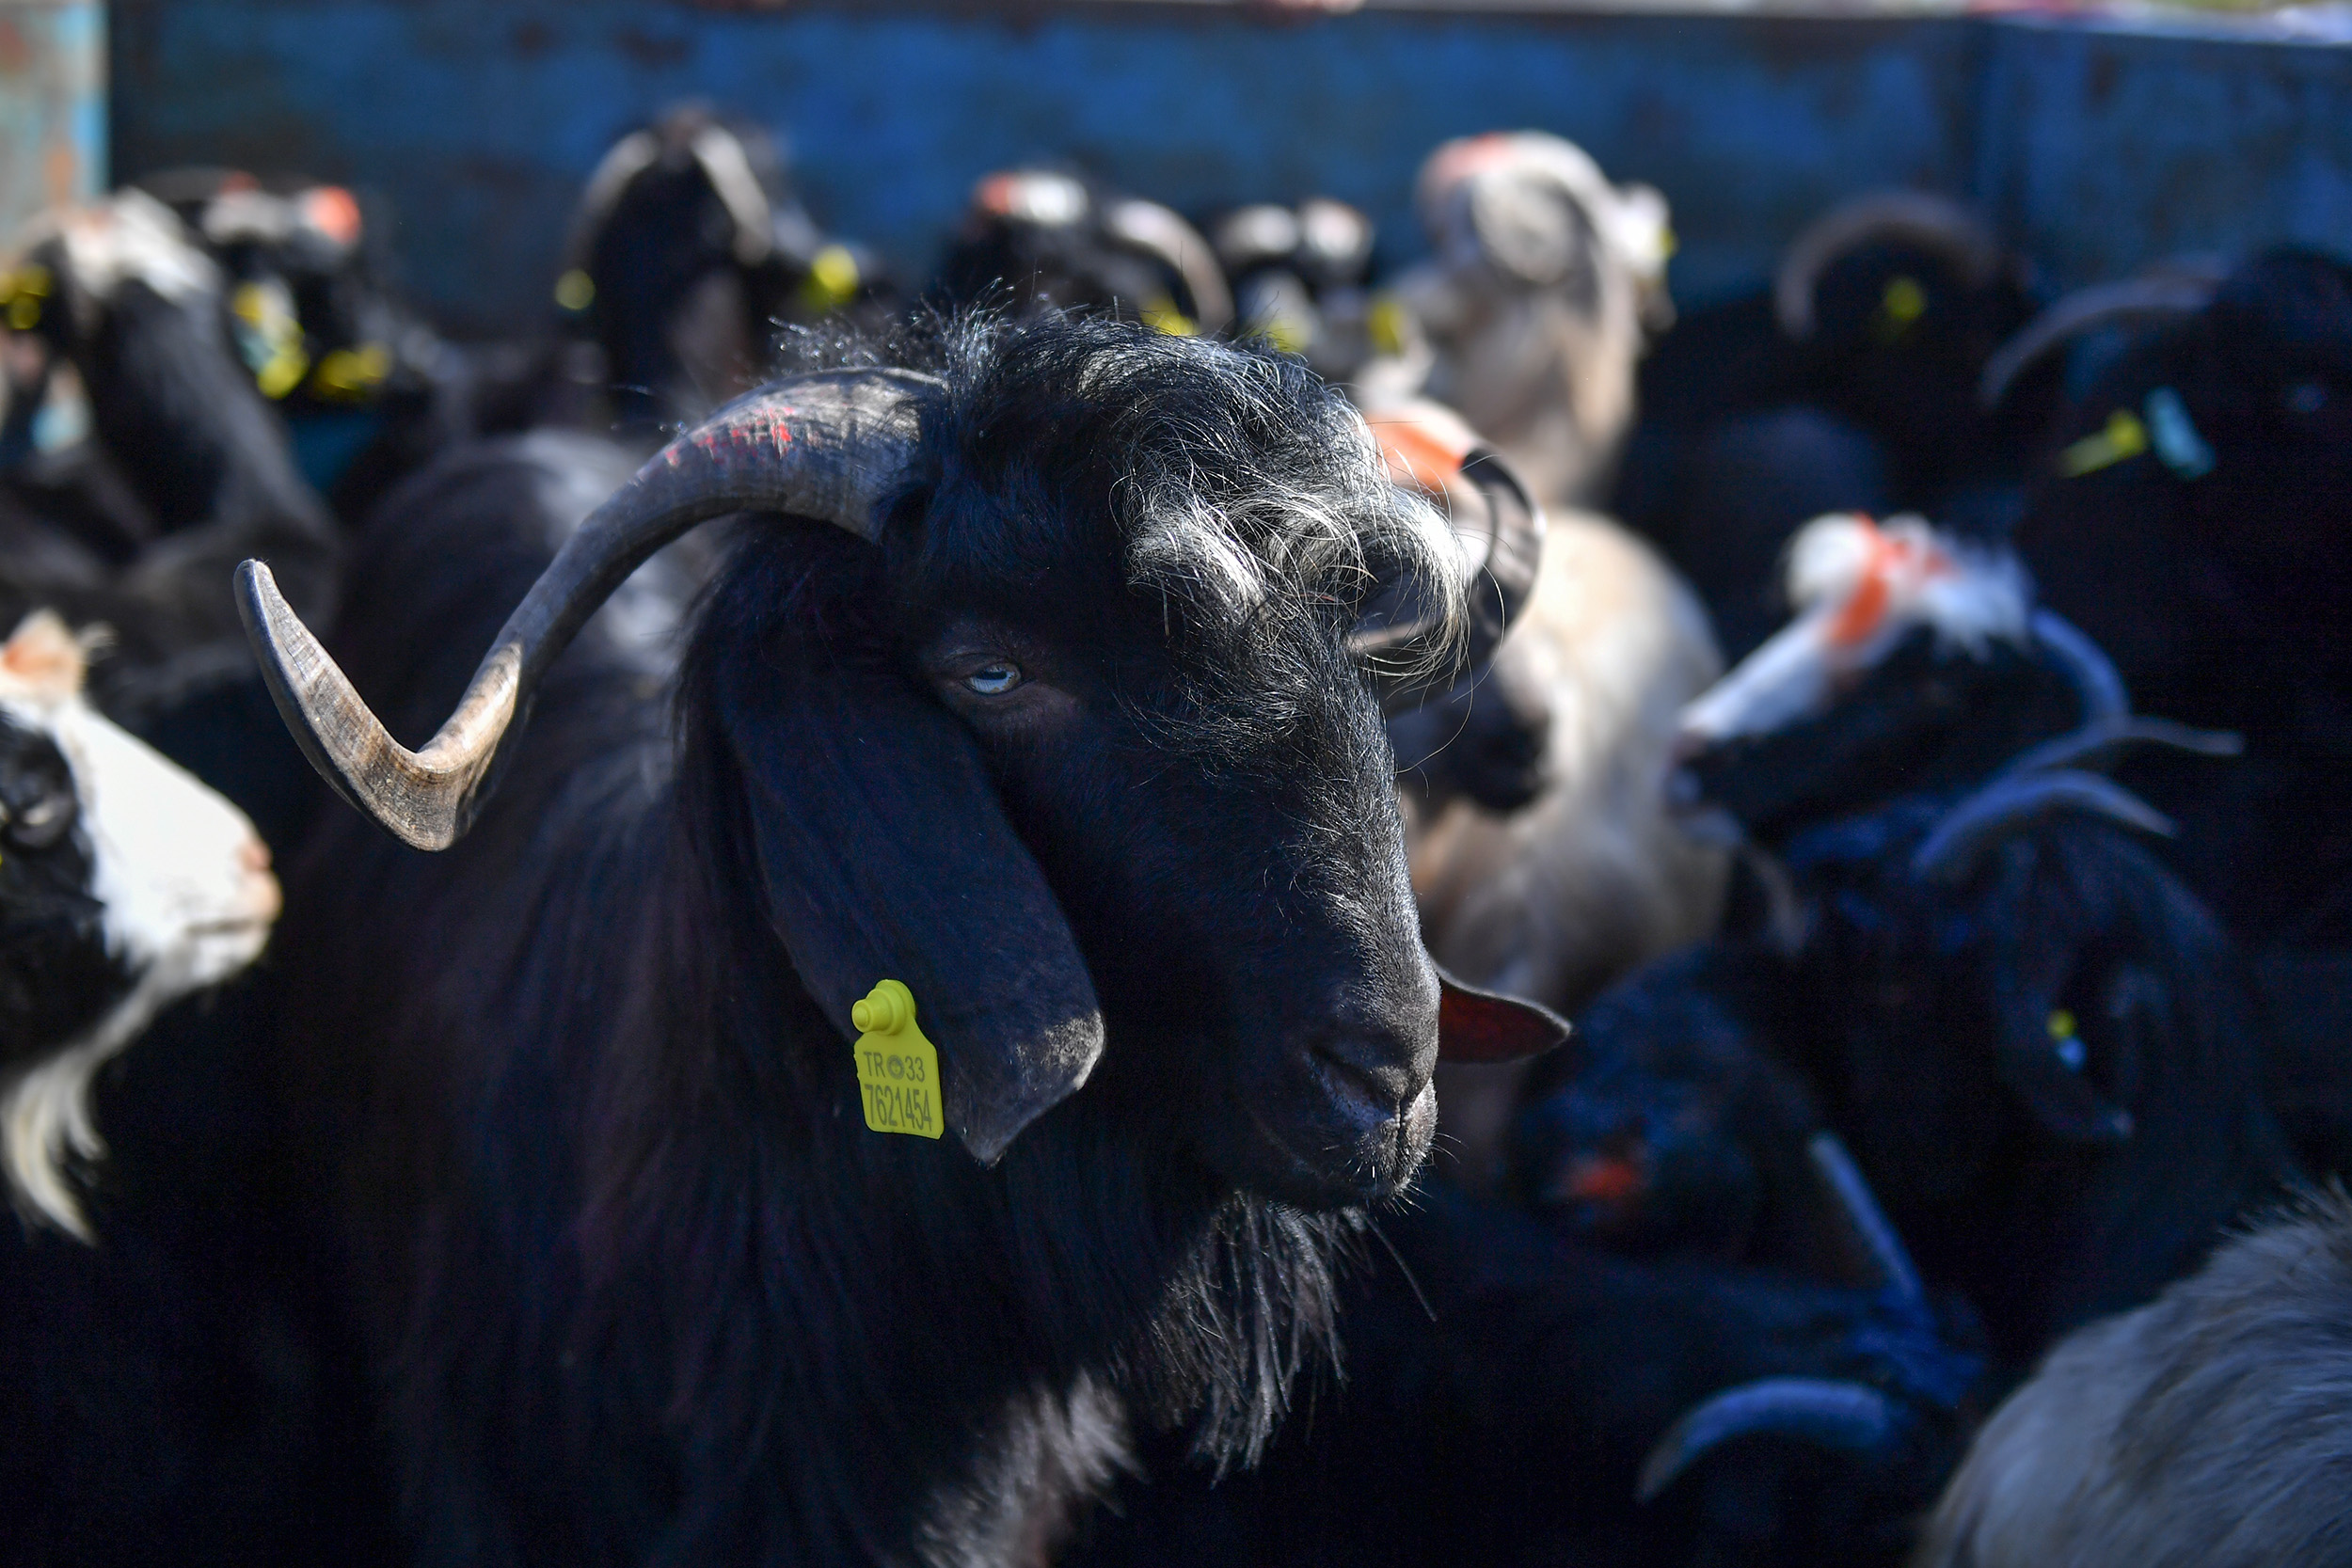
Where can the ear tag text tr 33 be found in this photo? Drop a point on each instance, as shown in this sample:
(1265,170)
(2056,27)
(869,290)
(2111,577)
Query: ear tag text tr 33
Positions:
(897,1069)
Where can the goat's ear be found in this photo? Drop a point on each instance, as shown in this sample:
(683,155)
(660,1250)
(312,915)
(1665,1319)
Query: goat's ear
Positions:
(886,855)
(1476,1025)
(2042,1057)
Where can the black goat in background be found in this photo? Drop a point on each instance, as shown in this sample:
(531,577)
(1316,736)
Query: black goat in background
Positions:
(2197,526)
(1049,239)
(2044,1051)
(688,249)
(1851,384)
(1060,725)
(1503,1383)
(191,470)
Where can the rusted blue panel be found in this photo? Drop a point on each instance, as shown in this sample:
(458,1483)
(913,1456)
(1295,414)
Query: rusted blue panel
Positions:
(2106,148)
(479,121)
(53,108)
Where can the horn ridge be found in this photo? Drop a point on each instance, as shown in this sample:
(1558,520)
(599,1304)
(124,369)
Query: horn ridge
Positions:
(832,446)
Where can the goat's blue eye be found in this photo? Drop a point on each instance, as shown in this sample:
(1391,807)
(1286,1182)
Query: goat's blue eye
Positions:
(994,680)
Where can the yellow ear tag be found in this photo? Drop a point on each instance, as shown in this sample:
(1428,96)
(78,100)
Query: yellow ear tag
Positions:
(897,1069)
(2125,437)
(833,279)
(1903,303)
(1160,314)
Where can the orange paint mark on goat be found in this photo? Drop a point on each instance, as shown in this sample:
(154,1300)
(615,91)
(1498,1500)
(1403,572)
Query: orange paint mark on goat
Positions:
(1418,457)
(1892,563)
(1604,1178)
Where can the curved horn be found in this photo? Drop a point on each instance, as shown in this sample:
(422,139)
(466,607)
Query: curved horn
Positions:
(1871,1234)
(2134,298)
(833,447)
(1931,222)
(2095,744)
(1496,523)
(728,168)
(1849,1416)
(1150,227)
(2086,666)
(1950,851)
(622,163)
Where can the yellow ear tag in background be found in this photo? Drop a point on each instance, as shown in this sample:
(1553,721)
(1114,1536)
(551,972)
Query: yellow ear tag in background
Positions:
(2124,438)
(1903,303)
(897,1069)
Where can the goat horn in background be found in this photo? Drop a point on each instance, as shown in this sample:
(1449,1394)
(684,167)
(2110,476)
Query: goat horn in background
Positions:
(2085,310)
(728,168)
(1930,222)
(1150,227)
(1852,1417)
(1866,1228)
(2086,666)
(2096,744)
(624,162)
(1496,523)
(1951,850)
(832,446)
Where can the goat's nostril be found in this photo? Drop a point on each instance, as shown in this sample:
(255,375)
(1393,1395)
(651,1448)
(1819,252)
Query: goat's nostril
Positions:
(1363,1068)
(1689,746)
(254,855)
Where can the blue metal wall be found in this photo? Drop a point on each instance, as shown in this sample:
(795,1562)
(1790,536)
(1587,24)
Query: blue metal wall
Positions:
(53,104)
(477,121)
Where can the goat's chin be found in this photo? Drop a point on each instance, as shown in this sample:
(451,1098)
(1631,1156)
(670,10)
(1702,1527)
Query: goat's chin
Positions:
(1346,1153)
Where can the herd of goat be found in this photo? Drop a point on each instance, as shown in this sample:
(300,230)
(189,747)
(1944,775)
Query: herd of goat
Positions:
(1242,703)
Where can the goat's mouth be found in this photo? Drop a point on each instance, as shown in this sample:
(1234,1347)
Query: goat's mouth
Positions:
(1363,1136)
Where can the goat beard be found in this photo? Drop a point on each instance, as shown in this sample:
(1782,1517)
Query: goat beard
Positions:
(1250,1310)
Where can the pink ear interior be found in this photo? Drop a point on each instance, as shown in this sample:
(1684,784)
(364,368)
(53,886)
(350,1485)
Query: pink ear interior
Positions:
(1476,1025)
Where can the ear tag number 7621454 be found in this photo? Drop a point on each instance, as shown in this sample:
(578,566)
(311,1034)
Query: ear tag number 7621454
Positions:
(897,1069)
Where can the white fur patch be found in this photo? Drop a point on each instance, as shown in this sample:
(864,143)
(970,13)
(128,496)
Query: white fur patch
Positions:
(129,234)
(1859,589)
(186,886)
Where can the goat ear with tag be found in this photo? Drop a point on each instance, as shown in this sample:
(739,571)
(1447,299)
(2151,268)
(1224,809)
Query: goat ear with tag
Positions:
(885,854)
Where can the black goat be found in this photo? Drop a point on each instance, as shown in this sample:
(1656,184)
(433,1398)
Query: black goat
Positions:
(167,1371)
(1298,277)
(1851,384)
(1047,708)
(2211,1427)
(1056,241)
(687,248)
(369,392)
(2195,525)
(196,471)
